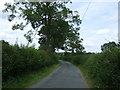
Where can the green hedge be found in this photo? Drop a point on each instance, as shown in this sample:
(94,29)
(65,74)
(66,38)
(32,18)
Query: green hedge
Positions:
(76,59)
(18,60)
(102,68)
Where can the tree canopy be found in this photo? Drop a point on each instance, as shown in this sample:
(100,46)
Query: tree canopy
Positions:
(109,46)
(56,25)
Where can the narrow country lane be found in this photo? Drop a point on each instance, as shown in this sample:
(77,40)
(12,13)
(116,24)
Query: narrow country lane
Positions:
(67,76)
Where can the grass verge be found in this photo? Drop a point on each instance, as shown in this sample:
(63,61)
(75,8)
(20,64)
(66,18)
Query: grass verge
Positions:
(28,79)
(86,76)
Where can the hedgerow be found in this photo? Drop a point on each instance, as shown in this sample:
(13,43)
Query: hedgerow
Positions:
(17,60)
(102,68)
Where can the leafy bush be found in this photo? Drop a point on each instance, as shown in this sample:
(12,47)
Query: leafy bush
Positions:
(17,60)
(102,68)
(76,59)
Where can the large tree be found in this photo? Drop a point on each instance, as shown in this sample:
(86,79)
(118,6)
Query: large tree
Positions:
(52,21)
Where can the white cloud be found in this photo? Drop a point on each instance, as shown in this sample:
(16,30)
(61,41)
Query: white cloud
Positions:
(2,35)
(89,43)
(103,31)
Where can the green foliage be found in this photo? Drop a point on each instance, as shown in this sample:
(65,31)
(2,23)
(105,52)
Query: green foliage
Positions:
(109,46)
(73,43)
(54,23)
(18,60)
(28,79)
(76,59)
(102,68)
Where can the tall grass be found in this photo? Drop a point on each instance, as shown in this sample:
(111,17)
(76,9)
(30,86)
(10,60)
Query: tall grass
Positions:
(26,80)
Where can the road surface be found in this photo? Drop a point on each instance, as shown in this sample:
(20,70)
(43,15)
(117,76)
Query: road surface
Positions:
(67,76)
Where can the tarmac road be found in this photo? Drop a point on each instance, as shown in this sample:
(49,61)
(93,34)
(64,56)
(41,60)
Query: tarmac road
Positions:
(67,76)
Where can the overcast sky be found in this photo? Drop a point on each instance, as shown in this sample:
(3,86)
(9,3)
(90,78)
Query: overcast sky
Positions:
(99,26)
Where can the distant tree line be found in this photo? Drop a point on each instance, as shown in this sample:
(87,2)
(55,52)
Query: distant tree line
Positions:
(110,46)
